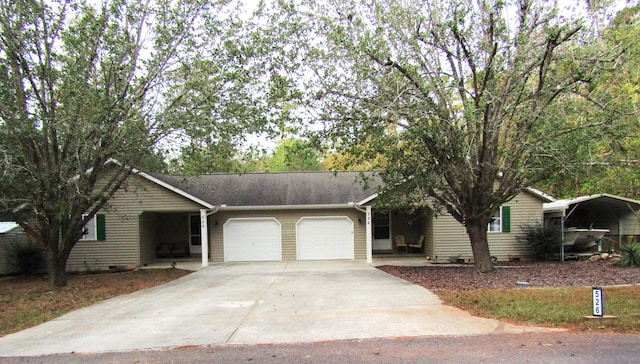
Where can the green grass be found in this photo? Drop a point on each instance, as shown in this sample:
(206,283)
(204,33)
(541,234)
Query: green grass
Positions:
(555,307)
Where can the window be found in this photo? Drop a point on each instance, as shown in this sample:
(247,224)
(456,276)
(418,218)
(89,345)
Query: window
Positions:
(381,226)
(94,229)
(501,221)
(194,230)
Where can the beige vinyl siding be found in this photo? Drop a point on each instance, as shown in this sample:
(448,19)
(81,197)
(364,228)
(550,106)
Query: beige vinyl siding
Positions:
(626,230)
(8,242)
(287,220)
(122,245)
(429,236)
(629,225)
(5,265)
(451,240)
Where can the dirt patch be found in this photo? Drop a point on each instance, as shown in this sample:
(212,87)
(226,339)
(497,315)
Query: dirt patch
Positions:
(26,301)
(535,274)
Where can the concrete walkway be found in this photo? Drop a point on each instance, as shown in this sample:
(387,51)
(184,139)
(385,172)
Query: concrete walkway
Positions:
(255,303)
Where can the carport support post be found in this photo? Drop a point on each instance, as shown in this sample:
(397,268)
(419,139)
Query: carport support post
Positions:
(204,238)
(369,232)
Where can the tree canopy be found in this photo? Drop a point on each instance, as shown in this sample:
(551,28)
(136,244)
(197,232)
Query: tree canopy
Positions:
(610,163)
(86,83)
(460,104)
(463,99)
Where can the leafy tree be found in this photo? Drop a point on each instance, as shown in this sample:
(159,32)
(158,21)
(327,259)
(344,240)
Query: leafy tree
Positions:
(460,97)
(342,161)
(610,164)
(251,91)
(195,159)
(293,154)
(83,83)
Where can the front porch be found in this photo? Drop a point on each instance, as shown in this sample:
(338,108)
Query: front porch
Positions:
(167,237)
(399,234)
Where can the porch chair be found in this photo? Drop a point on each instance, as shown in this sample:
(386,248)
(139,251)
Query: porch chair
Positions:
(180,250)
(400,243)
(163,251)
(417,244)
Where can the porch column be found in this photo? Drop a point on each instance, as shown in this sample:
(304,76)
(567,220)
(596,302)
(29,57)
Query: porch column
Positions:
(204,238)
(369,234)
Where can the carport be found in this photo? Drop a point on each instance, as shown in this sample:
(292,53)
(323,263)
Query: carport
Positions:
(603,211)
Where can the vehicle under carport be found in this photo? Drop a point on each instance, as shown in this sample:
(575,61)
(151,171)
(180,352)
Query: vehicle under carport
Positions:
(618,215)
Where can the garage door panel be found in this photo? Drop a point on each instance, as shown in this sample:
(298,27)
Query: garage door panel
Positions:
(252,240)
(325,238)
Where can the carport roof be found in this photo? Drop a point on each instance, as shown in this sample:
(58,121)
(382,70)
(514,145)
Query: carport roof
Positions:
(597,201)
(276,189)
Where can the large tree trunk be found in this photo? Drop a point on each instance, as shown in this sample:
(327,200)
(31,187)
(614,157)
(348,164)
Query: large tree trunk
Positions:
(477,231)
(57,253)
(57,268)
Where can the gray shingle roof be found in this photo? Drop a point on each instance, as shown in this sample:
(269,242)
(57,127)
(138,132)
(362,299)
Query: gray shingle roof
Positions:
(276,189)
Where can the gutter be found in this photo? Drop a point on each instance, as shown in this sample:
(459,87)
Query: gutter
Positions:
(284,207)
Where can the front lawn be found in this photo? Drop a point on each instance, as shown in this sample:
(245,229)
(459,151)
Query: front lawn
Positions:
(556,307)
(554,294)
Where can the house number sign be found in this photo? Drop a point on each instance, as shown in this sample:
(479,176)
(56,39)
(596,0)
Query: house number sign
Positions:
(598,302)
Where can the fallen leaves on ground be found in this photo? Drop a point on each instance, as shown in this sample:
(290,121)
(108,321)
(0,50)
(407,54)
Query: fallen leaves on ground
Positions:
(535,274)
(26,301)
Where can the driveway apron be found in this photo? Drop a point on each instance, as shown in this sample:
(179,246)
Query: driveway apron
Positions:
(255,303)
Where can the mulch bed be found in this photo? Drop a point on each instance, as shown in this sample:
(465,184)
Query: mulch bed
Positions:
(535,274)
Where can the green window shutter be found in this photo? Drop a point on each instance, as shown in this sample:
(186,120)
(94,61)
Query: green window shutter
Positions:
(506,219)
(101,231)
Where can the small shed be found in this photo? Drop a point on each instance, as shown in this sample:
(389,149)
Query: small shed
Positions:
(617,214)
(10,234)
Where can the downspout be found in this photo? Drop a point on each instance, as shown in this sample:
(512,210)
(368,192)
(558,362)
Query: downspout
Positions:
(204,234)
(368,231)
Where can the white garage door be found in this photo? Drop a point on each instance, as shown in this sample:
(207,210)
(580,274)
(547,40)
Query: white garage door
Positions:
(324,238)
(252,240)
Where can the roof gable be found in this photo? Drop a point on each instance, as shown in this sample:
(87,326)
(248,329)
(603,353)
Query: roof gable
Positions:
(540,194)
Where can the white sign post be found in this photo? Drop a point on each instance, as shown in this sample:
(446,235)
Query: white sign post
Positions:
(598,302)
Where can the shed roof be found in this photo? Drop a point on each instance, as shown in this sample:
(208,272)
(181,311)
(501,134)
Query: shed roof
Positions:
(276,188)
(6,226)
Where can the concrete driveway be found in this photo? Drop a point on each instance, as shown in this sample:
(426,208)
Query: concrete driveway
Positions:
(255,303)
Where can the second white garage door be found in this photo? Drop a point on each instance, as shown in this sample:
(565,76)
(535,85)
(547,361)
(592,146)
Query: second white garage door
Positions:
(324,238)
(252,240)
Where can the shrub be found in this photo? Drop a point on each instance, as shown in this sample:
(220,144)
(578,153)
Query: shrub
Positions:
(27,258)
(541,239)
(630,255)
